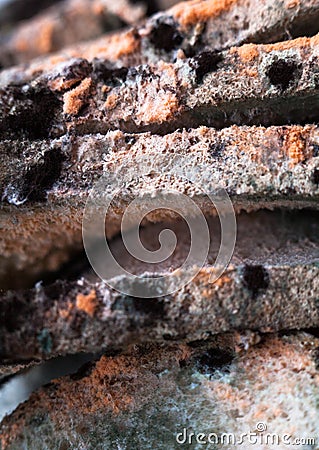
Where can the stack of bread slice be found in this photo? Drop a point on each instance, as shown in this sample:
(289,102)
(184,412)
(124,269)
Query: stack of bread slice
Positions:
(225,90)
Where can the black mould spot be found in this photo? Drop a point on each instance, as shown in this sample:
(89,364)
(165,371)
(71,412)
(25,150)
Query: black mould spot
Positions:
(204,63)
(33,184)
(213,360)
(255,278)
(194,140)
(146,306)
(194,48)
(315,148)
(165,36)
(315,177)
(282,73)
(217,150)
(53,291)
(153,308)
(79,69)
(13,314)
(145,74)
(130,140)
(33,115)
(102,70)
(187,303)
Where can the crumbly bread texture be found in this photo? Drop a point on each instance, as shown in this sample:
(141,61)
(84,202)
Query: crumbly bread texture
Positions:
(272,84)
(44,184)
(274,266)
(144,398)
(209,94)
(186,29)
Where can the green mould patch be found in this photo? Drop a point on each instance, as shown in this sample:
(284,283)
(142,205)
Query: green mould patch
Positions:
(45,341)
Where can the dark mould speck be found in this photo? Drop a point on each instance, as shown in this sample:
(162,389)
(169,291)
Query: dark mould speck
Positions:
(79,69)
(13,314)
(33,115)
(213,360)
(205,63)
(153,308)
(282,73)
(130,140)
(194,140)
(315,177)
(217,150)
(112,76)
(142,72)
(36,180)
(255,278)
(165,36)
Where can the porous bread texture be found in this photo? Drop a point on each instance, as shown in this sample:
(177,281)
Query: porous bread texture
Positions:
(259,168)
(152,393)
(188,28)
(274,266)
(262,84)
(276,383)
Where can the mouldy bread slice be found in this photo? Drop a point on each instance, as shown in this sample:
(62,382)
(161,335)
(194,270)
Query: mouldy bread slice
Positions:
(250,21)
(144,398)
(187,29)
(272,283)
(66,23)
(44,184)
(250,85)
